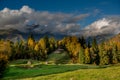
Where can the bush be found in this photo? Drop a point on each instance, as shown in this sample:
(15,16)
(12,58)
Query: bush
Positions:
(3,64)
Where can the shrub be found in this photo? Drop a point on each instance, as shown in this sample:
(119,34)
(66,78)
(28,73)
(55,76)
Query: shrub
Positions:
(3,64)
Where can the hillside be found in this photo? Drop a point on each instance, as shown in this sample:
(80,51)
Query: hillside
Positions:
(59,57)
(110,73)
(16,35)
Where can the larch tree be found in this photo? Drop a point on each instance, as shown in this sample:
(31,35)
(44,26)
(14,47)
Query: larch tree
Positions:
(87,56)
(81,56)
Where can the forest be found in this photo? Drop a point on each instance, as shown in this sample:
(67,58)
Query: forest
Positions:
(79,50)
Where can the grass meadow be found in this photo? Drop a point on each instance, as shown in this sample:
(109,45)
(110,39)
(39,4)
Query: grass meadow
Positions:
(19,70)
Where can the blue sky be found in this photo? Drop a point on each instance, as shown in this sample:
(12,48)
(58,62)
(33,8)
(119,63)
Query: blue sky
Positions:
(106,6)
(58,13)
(97,7)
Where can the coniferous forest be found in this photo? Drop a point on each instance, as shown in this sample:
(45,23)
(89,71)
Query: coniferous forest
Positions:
(79,50)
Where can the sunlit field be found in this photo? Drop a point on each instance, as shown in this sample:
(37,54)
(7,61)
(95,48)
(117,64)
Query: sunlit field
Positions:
(36,71)
(110,73)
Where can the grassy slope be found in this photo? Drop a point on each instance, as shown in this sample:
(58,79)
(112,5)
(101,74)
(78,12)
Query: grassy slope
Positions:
(18,72)
(59,58)
(61,72)
(110,73)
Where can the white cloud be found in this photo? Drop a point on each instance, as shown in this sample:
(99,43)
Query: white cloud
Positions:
(56,22)
(109,25)
(68,28)
(99,24)
(26,9)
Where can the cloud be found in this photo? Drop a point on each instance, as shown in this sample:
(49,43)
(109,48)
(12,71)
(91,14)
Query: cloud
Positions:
(74,19)
(47,21)
(68,28)
(26,9)
(27,19)
(109,25)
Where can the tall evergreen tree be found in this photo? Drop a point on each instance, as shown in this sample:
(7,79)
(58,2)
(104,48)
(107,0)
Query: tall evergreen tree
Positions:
(88,44)
(95,49)
(104,57)
(82,41)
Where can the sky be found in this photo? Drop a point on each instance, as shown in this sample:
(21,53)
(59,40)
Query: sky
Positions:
(69,16)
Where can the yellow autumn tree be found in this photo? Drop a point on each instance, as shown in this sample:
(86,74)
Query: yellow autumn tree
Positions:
(43,47)
(31,43)
(52,43)
(5,47)
(5,52)
(37,47)
(87,55)
(72,45)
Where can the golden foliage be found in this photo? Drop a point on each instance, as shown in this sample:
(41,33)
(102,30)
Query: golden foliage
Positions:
(5,47)
(31,43)
(87,55)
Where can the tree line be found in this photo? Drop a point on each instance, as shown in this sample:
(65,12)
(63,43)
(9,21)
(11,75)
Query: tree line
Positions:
(79,49)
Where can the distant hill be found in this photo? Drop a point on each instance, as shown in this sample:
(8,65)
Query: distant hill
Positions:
(16,35)
(11,34)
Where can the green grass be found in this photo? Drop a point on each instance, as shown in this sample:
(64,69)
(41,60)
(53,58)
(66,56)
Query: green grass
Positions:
(23,61)
(19,72)
(19,69)
(59,58)
(110,73)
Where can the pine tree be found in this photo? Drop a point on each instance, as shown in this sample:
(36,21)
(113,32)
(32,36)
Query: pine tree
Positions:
(95,51)
(88,44)
(104,57)
(82,42)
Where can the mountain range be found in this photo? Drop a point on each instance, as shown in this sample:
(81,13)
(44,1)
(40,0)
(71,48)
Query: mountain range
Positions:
(16,35)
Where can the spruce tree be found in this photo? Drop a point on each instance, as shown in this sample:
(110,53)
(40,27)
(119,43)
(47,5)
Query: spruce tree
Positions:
(96,59)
